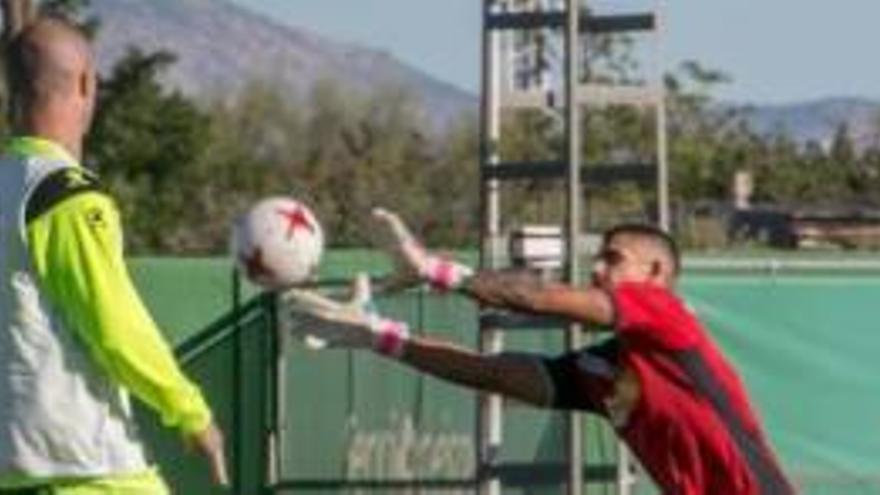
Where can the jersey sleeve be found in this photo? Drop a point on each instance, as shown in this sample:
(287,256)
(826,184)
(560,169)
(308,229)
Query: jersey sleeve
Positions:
(653,315)
(75,243)
(581,380)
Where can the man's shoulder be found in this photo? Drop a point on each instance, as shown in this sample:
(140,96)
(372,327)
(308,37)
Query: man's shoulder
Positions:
(657,313)
(58,186)
(650,301)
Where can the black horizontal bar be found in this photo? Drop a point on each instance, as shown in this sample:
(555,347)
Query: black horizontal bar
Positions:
(602,24)
(606,174)
(373,484)
(526,170)
(512,475)
(523,474)
(598,24)
(590,174)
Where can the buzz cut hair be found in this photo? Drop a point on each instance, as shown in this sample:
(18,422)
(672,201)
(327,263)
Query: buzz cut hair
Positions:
(657,236)
(28,77)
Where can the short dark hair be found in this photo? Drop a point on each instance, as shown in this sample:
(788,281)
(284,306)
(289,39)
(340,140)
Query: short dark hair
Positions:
(657,235)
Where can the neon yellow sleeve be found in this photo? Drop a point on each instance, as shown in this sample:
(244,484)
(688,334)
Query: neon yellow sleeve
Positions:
(76,250)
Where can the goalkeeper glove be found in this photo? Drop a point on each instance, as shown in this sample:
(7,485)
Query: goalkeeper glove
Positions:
(324,322)
(414,262)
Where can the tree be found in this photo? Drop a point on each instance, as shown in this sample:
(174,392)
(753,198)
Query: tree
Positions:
(364,151)
(255,148)
(452,187)
(142,141)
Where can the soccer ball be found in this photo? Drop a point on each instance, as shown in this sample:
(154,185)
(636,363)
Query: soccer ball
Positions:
(278,243)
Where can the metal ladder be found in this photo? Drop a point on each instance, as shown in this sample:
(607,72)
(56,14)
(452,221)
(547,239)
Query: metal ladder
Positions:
(516,76)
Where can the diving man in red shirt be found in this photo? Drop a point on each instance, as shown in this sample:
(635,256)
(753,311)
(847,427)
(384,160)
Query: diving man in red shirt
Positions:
(660,380)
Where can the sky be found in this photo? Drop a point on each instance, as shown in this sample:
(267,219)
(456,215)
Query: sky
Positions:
(776,51)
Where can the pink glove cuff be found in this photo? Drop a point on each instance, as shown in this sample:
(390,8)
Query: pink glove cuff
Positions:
(391,337)
(444,274)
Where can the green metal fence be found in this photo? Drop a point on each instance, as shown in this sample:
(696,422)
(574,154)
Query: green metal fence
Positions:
(232,359)
(805,342)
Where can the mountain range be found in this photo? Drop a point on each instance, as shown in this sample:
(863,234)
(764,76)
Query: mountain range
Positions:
(221,46)
(818,120)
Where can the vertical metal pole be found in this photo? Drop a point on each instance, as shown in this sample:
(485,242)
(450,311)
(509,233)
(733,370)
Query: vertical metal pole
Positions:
(662,144)
(13,18)
(490,134)
(237,378)
(489,425)
(16,15)
(277,438)
(30,11)
(626,478)
(572,129)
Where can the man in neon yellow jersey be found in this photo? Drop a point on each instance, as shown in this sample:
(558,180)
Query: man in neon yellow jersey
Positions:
(75,337)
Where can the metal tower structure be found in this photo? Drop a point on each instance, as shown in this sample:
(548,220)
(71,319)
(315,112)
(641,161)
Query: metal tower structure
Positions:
(533,57)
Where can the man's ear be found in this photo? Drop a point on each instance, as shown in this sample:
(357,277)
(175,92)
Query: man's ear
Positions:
(656,268)
(84,84)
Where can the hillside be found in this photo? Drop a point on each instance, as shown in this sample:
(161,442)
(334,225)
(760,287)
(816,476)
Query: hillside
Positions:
(221,46)
(817,120)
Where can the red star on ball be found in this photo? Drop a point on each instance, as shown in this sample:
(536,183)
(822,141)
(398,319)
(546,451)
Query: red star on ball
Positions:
(295,218)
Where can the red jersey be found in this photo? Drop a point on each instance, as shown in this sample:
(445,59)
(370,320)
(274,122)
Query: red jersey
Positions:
(693,428)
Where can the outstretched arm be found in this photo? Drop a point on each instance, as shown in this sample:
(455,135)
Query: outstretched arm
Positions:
(525,291)
(518,290)
(324,322)
(518,376)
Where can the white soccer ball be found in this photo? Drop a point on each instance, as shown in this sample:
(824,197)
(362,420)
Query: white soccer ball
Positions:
(278,243)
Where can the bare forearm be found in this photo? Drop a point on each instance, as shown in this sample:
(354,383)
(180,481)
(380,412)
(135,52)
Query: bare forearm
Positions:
(526,291)
(516,376)
(519,290)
